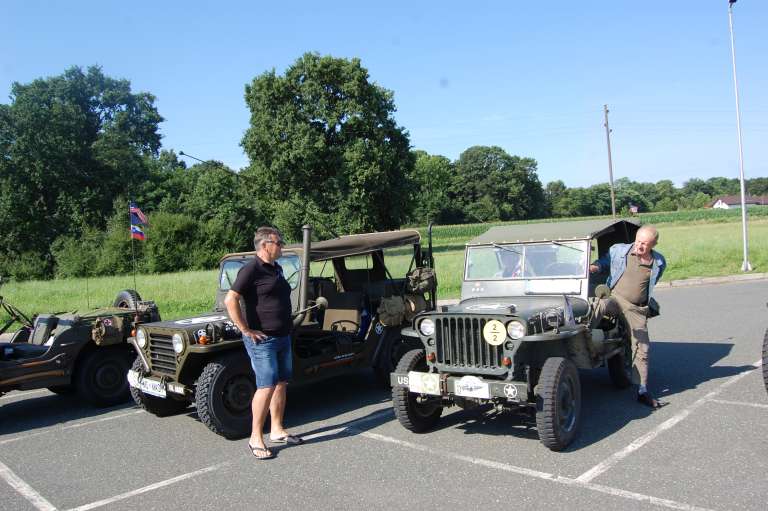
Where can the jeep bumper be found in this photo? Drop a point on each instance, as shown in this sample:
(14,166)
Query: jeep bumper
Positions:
(467,386)
(157,387)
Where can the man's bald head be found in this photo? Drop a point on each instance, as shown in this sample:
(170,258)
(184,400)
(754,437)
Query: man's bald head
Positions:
(645,239)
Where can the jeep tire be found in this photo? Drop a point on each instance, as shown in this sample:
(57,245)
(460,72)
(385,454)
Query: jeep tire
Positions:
(620,370)
(127,299)
(154,405)
(620,364)
(224,393)
(394,348)
(413,415)
(100,375)
(63,390)
(558,403)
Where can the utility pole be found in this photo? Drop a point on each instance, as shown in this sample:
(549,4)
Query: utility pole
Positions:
(610,162)
(745,266)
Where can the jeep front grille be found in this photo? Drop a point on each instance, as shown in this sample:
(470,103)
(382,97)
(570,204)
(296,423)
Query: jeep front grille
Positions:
(162,358)
(460,344)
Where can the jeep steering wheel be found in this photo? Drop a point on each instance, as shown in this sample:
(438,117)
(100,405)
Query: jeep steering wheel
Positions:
(336,326)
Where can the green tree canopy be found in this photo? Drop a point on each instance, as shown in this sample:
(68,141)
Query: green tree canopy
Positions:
(431,180)
(323,138)
(70,144)
(490,184)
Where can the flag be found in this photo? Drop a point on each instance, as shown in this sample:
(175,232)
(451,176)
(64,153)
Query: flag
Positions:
(137,216)
(137,233)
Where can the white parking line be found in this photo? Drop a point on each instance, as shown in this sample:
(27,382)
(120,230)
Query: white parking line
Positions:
(350,427)
(617,492)
(24,394)
(71,426)
(150,487)
(24,489)
(616,457)
(738,403)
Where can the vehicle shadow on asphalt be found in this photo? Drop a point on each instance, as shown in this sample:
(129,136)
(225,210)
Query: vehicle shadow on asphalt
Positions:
(330,398)
(676,367)
(42,411)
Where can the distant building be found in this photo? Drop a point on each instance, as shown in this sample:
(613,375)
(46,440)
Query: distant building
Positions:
(734,201)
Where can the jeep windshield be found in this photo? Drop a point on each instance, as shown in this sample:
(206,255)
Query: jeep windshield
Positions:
(290,263)
(561,259)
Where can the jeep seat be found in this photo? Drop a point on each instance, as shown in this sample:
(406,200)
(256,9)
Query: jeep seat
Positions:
(343,312)
(43,327)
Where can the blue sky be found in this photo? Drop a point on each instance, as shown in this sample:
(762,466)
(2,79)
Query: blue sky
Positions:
(530,77)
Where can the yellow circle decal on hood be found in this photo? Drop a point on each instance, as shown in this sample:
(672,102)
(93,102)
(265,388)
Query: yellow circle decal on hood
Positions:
(494,332)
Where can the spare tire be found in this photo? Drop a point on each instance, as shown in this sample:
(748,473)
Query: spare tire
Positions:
(127,299)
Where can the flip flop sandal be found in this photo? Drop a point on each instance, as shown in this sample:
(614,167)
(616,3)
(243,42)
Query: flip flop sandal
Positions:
(261,453)
(288,439)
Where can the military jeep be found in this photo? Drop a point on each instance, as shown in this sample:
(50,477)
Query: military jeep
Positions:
(202,359)
(83,352)
(520,332)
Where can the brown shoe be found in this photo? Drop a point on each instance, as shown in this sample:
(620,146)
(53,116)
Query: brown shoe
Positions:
(648,400)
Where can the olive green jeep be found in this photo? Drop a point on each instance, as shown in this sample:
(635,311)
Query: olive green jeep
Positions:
(349,311)
(83,352)
(520,332)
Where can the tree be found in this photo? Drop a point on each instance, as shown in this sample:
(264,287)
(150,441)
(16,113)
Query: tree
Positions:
(489,184)
(431,180)
(757,186)
(70,144)
(323,137)
(552,193)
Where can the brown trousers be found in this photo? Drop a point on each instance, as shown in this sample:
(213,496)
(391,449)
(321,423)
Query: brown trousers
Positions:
(637,319)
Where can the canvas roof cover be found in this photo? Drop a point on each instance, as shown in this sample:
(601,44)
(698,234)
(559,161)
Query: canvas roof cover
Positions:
(355,244)
(544,231)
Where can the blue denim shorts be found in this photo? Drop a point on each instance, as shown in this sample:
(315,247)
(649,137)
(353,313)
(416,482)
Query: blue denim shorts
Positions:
(271,360)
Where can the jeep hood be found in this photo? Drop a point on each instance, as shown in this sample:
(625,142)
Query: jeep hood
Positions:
(521,306)
(193,323)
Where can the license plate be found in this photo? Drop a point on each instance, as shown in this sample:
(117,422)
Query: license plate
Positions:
(424,383)
(471,386)
(152,387)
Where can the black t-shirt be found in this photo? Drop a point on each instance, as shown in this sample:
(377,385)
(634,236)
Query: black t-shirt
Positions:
(267,297)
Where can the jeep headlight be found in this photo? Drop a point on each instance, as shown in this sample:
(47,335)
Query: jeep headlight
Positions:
(515,329)
(178,343)
(141,338)
(427,327)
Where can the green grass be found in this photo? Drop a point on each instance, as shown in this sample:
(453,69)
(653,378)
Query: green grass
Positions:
(694,245)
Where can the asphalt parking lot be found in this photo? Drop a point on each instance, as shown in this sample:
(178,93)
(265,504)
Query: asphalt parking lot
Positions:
(706,449)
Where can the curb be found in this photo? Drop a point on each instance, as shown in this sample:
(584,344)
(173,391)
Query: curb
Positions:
(693,281)
(702,281)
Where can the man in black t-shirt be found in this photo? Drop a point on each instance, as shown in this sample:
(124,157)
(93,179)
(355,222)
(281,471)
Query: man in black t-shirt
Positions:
(266,330)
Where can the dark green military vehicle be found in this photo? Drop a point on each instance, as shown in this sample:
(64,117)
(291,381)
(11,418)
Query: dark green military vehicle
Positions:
(83,352)
(202,359)
(520,332)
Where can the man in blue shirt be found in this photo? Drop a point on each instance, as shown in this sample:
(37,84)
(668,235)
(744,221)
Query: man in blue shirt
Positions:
(635,268)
